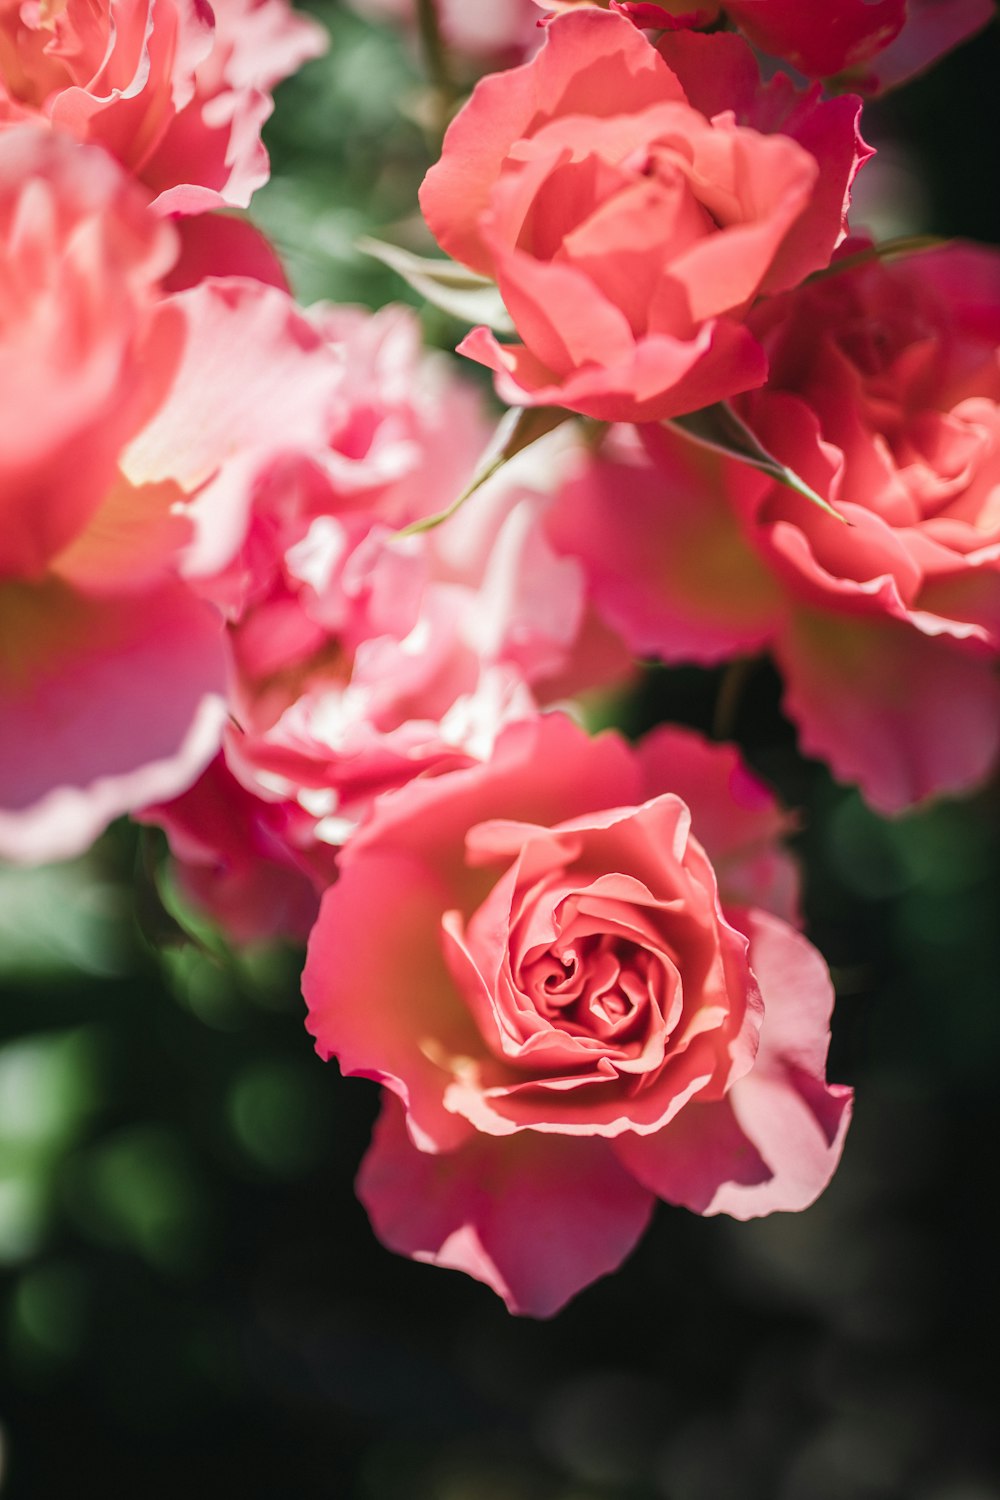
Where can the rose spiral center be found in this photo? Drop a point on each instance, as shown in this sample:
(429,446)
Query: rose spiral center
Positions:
(597,986)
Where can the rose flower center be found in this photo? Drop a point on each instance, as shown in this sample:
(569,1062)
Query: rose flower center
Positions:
(598,987)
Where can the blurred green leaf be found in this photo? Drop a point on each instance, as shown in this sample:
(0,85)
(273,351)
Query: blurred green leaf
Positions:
(61,919)
(140,1189)
(453,288)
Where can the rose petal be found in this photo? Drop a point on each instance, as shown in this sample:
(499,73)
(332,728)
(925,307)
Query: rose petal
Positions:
(107,704)
(774,1141)
(904,715)
(536,1218)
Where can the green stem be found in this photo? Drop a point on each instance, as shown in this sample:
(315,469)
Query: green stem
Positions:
(910,244)
(436,62)
(731,688)
(521,427)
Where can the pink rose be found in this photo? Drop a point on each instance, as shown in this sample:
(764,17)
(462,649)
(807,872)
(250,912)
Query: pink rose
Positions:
(872,44)
(111,675)
(631,218)
(253,867)
(884,396)
(129,423)
(361,658)
(572,1011)
(503,30)
(176,91)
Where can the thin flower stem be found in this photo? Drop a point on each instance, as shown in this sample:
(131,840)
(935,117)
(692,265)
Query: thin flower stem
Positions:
(518,429)
(435,57)
(910,244)
(731,689)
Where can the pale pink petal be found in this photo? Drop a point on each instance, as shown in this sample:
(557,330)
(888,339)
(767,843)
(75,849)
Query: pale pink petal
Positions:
(255,380)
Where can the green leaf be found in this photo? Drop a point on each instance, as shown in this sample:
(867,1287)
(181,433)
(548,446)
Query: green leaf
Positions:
(518,429)
(720,429)
(462,293)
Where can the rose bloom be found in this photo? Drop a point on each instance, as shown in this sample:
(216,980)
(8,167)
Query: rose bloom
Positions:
(128,422)
(254,867)
(176,91)
(883,396)
(565,967)
(871,44)
(111,670)
(632,203)
(374,658)
(360,658)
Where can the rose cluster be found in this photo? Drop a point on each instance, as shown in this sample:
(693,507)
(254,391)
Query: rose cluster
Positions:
(271,581)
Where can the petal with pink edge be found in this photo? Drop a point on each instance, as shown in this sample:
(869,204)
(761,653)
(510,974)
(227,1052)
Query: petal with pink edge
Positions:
(932,28)
(537,1218)
(667,564)
(506,106)
(774,1141)
(384,1004)
(662,377)
(223,244)
(733,815)
(903,714)
(106,704)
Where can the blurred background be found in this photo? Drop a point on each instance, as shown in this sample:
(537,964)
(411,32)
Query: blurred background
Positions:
(191,1295)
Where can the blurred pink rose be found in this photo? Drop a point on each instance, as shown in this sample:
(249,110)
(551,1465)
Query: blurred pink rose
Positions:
(872,45)
(128,422)
(176,91)
(883,396)
(631,205)
(111,674)
(254,867)
(572,1011)
(362,658)
(501,32)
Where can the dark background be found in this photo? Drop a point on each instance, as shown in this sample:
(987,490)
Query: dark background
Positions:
(192,1298)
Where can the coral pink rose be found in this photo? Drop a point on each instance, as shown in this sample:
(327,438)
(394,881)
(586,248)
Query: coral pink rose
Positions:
(176,91)
(883,395)
(572,1011)
(129,421)
(111,674)
(872,44)
(631,218)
